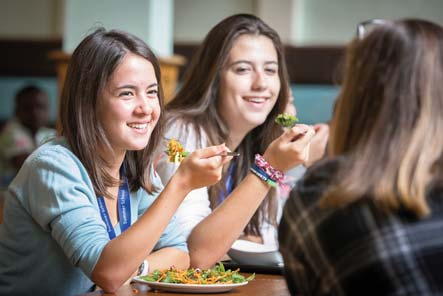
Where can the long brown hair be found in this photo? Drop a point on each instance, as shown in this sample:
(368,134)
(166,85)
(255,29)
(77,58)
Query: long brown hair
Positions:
(197,101)
(389,116)
(91,66)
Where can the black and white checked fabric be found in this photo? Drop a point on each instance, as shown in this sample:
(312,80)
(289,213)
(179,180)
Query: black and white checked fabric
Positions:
(358,249)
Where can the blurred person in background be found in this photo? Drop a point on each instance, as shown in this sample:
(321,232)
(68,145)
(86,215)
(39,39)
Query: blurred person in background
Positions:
(368,219)
(25,132)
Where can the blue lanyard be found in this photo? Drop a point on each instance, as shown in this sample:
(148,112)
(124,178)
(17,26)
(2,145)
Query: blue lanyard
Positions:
(123,205)
(229,183)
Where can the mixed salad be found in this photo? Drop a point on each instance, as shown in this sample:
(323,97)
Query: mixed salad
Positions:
(216,275)
(175,151)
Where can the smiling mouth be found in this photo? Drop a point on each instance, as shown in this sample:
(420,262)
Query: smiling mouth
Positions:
(255,100)
(138,126)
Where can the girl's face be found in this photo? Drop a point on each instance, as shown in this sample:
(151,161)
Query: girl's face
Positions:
(249,83)
(129,104)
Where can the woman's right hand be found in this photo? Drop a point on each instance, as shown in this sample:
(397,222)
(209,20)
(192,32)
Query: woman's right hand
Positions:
(203,167)
(291,148)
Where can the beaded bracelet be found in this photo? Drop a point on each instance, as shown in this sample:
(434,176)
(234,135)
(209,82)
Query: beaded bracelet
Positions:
(274,174)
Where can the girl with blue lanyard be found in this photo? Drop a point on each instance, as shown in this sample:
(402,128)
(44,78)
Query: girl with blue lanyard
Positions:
(87,209)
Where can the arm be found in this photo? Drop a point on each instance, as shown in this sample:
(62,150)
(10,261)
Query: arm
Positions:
(196,206)
(212,237)
(167,257)
(122,255)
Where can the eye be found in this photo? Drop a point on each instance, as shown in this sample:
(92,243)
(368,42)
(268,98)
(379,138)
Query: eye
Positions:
(242,69)
(152,93)
(126,93)
(271,70)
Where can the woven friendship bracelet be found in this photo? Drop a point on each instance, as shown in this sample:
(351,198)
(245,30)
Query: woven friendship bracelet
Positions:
(273,174)
(262,175)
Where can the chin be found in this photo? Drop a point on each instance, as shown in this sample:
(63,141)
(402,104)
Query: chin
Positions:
(256,122)
(138,146)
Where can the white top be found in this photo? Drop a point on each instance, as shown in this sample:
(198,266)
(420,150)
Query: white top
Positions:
(196,206)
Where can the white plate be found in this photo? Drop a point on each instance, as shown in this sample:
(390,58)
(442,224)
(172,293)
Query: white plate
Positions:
(250,253)
(189,288)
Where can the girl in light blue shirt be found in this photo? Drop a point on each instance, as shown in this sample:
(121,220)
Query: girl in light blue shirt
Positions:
(83,211)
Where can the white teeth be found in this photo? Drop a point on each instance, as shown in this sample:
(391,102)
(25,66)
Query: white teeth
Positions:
(138,126)
(255,100)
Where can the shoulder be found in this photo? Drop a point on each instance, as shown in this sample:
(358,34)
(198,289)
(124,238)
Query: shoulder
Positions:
(302,205)
(317,179)
(54,152)
(52,159)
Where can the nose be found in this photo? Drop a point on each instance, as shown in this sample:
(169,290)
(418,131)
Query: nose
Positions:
(259,81)
(144,105)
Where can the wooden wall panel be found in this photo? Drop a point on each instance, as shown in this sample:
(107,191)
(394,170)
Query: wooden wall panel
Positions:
(27,57)
(306,65)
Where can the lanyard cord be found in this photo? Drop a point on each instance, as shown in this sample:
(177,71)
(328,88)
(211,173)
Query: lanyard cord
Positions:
(123,205)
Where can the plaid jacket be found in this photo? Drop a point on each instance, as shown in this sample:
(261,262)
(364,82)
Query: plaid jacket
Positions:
(359,249)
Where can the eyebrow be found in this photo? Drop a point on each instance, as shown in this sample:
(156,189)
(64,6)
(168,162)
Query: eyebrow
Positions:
(133,87)
(249,62)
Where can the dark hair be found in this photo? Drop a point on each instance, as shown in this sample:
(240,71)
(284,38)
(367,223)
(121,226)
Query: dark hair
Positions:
(388,117)
(197,102)
(91,66)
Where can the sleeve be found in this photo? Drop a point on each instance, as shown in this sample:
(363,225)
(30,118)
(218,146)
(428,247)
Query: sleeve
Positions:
(299,245)
(60,198)
(196,206)
(288,242)
(269,234)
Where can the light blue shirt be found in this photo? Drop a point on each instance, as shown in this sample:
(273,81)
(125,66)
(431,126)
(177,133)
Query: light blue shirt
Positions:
(52,233)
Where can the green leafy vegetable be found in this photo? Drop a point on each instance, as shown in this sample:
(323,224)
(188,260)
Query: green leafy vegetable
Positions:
(286,120)
(215,275)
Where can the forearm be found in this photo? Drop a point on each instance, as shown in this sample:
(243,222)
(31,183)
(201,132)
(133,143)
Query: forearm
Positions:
(212,237)
(167,257)
(122,255)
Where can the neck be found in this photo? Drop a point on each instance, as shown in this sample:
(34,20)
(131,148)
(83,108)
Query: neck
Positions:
(114,160)
(235,138)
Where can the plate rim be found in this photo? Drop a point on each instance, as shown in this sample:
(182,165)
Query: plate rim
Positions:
(164,286)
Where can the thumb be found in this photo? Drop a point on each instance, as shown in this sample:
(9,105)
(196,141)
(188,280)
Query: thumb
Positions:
(295,132)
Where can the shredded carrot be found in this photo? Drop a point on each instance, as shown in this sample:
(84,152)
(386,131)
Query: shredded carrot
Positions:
(175,151)
(216,275)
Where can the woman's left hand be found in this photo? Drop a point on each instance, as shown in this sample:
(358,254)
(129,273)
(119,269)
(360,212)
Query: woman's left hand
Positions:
(318,144)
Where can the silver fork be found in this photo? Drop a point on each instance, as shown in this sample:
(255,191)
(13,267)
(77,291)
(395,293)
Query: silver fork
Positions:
(229,153)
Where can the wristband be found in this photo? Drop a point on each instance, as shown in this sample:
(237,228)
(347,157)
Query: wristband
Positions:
(143,269)
(262,175)
(275,175)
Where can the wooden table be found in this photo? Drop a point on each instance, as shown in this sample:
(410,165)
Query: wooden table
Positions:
(262,285)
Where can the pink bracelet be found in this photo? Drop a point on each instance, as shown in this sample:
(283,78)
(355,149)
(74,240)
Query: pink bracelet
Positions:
(274,174)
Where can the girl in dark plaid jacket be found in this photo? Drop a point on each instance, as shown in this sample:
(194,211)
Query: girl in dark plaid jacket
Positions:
(368,219)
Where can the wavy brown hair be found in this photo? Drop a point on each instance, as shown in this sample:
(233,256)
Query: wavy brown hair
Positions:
(197,102)
(90,68)
(389,116)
